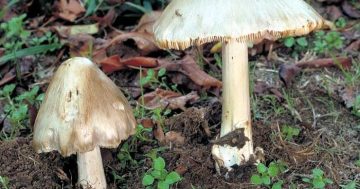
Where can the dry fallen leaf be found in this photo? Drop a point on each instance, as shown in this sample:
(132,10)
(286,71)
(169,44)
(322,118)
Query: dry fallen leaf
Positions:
(69,9)
(143,41)
(115,63)
(344,62)
(350,10)
(107,20)
(262,88)
(147,123)
(159,134)
(161,98)
(188,67)
(287,72)
(354,46)
(66,31)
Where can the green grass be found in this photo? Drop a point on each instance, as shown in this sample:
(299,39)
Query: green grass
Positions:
(19,42)
(16,109)
(4,181)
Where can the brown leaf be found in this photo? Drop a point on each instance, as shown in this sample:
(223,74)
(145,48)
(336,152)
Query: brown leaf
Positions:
(168,99)
(262,88)
(147,123)
(115,63)
(174,138)
(159,134)
(333,12)
(287,73)
(111,64)
(188,67)
(354,46)
(344,62)
(69,9)
(106,20)
(145,62)
(32,114)
(350,10)
(143,41)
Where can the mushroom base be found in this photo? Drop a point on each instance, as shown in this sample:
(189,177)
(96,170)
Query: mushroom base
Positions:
(91,170)
(235,108)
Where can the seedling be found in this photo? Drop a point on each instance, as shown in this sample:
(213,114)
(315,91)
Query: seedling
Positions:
(267,175)
(158,176)
(298,44)
(16,109)
(327,42)
(125,157)
(288,132)
(340,23)
(130,146)
(317,179)
(351,185)
(155,79)
(4,182)
(17,42)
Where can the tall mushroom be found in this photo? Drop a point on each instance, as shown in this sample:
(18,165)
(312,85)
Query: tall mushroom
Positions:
(235,23)
(82,111)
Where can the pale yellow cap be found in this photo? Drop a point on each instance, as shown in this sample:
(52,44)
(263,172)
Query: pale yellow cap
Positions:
(194,22)
(82,109)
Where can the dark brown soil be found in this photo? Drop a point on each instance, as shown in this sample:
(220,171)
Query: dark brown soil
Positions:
(26,169)
(314,147)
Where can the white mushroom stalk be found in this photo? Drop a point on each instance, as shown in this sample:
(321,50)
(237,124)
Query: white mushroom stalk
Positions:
(235,108)
(91,169)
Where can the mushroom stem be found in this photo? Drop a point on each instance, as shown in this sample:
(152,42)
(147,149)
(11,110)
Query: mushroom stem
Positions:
(90,169)
(236,118)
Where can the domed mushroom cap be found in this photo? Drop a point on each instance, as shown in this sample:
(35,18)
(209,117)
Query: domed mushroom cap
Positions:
(82,109)
(194,22)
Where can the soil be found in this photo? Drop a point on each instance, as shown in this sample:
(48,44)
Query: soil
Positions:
(331,145)
(24,168)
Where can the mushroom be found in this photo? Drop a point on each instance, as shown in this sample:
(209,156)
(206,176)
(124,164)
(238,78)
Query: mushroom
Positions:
(83,110)
(236,23)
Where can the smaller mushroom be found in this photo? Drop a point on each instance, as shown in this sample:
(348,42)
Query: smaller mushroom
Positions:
(83,110)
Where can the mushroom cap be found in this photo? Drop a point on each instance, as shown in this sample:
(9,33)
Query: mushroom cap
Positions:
(194,22)
(82,109)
